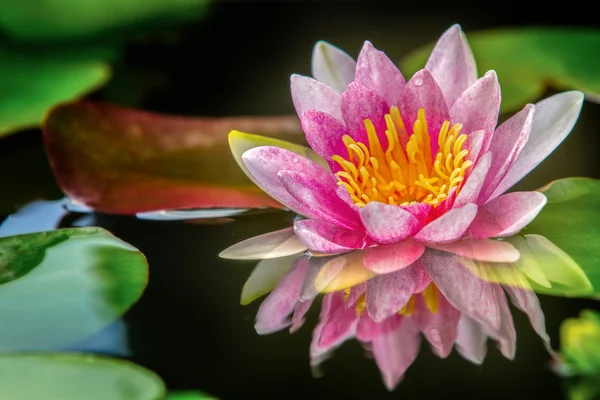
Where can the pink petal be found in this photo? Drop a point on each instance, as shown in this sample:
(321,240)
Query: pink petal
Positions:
(387,294)
(421,211)
(449,227)
(452,65)
(388,223)
(368,330)
(396,351)
(553,120)
(422,91)
(360,103)
(265,162)
(422,279)
(302,308)
(310,94)
(355,292)
(527,301)
(325,237)
(507,214)
(509,139)
(320,200)
(439,328)
(324,135)
(332,66)
(477,107)
(482,250)
(338,325)
(445,206)
(505,334)
(473,145)
(393,257)
(273,313)
(377,72)
(323,270)
(275,244)
(465,291)
(474,182)
(471,340)
(265,276)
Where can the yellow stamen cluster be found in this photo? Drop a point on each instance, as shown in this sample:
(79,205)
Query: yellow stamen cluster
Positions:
(431,296)
(405,172)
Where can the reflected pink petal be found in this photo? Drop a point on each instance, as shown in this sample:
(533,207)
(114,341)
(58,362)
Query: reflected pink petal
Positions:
(396,351)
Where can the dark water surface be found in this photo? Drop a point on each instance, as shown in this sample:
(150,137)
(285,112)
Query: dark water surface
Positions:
(189,326)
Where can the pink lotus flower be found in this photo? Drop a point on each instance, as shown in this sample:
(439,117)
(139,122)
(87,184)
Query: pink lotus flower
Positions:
(420,163)
(436,296)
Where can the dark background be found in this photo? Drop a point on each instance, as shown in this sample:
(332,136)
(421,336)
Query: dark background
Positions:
(189,326)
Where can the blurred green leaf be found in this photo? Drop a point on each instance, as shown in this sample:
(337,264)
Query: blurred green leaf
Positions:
(583,388)
(192,395)
(46,20)
(528,60)
(32,83)
(75,377)
(61,286)
(571,221)
(580,345)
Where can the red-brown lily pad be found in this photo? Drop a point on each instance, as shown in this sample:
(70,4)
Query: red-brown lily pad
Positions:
(126,161)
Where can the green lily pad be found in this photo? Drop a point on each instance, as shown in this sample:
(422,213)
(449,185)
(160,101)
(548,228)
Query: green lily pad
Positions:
(45,20)
(32,83)
(62,286)
(571,221)
(75,377)
(528,60)
(580,345)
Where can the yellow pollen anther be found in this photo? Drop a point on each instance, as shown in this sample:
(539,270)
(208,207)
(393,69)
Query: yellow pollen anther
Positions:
(361,304)
(409,308)
(407,171)
(431,295)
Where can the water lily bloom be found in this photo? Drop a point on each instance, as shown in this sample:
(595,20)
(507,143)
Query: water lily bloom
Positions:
(436,297)
(419,163)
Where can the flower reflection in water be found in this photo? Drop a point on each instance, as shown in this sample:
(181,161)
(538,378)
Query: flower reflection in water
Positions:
(452,299)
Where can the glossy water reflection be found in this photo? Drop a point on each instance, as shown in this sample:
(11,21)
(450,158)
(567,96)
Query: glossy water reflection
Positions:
(437,296)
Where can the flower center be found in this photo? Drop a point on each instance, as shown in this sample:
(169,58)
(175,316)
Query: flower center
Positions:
(431,296)
(405,172)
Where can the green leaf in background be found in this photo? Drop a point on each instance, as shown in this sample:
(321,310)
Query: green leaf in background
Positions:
(580,345)
(32,83)
(571,221)
(528,60)
(192,395)
(75,377)
(583,388)
(62,286)
(47,20)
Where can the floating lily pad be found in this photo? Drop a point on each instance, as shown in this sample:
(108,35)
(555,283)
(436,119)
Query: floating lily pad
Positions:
(32,83)
(125,161)
(528,60)
(59,287)
(571,221)
(75,377)
(45,20)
